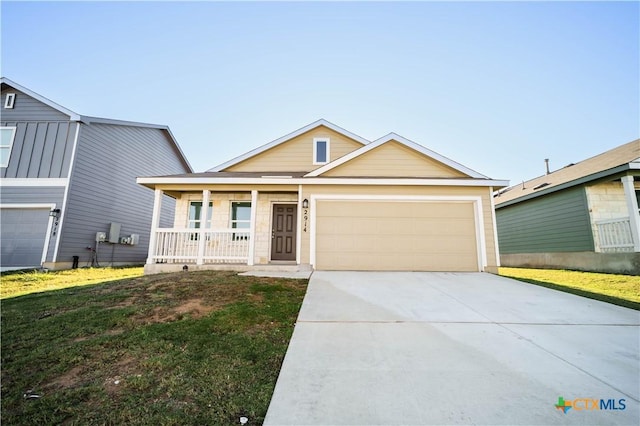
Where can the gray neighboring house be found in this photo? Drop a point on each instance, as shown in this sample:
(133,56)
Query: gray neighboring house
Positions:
(584,216)
(66,177)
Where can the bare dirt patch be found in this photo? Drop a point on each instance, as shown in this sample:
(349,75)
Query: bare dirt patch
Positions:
(194,308)
(69,379)
(125,367)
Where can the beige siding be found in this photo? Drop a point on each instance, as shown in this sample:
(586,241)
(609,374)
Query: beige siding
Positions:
(222,207)
(296,155)
(396,235)
(393,159)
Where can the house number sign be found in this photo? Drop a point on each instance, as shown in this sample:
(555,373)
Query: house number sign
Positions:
(305,217)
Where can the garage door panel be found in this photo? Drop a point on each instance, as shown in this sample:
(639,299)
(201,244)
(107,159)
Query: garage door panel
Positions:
(389,235)
(23,236)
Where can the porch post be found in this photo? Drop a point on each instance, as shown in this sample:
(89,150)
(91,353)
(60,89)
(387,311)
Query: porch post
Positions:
(632,206)
(155,224)
(204,213)
(252,227)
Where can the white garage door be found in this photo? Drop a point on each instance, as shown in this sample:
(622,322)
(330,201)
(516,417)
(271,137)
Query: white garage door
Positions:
(23,233)
(394,235)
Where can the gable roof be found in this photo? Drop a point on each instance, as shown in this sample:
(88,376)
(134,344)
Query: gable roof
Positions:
(73,116)
(404,141)
(285,138)
(619,159)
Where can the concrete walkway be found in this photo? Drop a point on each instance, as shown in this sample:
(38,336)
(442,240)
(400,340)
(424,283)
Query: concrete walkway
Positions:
(454,348)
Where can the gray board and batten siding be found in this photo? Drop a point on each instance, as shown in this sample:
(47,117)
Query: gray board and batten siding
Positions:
(103,190)
(40,149)
(558,222)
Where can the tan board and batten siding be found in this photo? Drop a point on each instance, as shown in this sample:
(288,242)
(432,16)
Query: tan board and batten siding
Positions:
(396,235)
(393,159)
(296,155)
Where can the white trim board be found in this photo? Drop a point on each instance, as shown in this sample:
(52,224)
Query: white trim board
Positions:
(318,181)
(65,198)
(476,200)
(33,182)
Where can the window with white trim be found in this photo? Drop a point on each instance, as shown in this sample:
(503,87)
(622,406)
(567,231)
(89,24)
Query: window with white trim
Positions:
(7,135)
(195,215)
(9,100)
(240,217)
(321,150)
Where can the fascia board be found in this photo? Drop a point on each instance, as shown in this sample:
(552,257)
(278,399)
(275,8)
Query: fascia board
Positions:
(263,148)
(318,181)
(560,187)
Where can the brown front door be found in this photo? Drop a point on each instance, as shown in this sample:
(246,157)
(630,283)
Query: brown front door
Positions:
(283,232)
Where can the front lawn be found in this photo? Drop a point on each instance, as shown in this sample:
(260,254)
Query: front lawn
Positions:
(623,290)
(18,283)
(199,348)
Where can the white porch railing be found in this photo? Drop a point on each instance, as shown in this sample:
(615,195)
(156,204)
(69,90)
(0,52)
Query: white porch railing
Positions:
(614,235)
(182,246)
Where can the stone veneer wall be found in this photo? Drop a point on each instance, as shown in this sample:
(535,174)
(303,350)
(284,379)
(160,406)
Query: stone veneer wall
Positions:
(222,215)
(606,201)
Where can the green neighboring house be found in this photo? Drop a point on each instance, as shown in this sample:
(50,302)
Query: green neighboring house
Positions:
(583,217)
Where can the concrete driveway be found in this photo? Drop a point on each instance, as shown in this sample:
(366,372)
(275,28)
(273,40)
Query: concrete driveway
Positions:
(413,348)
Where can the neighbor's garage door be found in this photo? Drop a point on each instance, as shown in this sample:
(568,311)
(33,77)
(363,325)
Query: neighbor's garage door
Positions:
(22,236)
(392,235)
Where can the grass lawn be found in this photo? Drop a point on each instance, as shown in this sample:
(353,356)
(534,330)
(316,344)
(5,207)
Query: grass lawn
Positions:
(623,290)
(174,349)
(18,283)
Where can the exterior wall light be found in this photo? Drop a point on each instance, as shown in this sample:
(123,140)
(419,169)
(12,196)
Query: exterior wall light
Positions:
(54,213)
(305,204)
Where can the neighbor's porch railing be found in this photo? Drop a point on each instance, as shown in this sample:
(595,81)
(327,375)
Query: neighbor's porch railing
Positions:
(614,235)
(183,246)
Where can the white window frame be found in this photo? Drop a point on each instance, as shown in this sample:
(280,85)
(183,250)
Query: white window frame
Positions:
(9,100)
(192,222)
(234,222)
(315,150)
(10,146)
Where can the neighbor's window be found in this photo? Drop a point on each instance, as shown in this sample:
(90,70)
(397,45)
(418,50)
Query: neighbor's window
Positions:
(195,214)
(320,150)
(6,142)
(240,217)
(9,100)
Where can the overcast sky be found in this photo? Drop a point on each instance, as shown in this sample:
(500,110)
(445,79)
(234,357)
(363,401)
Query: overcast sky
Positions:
(496,86)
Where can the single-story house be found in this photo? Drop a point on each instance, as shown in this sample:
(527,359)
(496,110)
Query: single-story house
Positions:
(68,187)
(584,216)
(324,198)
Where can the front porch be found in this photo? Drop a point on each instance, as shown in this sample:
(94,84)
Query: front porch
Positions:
(241,230)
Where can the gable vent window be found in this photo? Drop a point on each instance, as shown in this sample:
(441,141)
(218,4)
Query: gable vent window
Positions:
(6,142)
(320,150)
(9,100)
